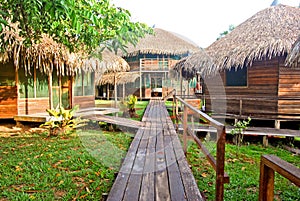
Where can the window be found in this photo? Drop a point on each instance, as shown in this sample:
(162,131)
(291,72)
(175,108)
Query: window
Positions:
(237,77)
(84,84)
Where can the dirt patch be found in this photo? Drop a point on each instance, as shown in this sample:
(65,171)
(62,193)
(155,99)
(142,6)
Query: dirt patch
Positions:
(11,130)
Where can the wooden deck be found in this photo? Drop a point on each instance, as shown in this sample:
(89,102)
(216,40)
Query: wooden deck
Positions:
(155,167)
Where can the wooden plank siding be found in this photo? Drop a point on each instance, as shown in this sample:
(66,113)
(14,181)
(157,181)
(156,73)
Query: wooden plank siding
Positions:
(258,97)
(289,90)
(8,101)
(32,105)
(84,101)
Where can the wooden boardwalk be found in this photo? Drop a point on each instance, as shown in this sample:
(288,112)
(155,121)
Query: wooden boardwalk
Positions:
(155,167)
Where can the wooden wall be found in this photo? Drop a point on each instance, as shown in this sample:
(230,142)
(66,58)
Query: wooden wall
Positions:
(259,98)
(84,101)
(289,90)
(8,101)
(33,105)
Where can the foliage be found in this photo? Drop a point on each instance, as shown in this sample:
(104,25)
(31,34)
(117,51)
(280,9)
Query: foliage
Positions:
(80,25)
(131,101)
(61,121)
(224,33)
(32,168)
(239,129)
(243,172)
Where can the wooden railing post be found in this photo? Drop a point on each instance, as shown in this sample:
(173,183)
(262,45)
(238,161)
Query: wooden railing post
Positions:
(220,163)
(266,183)
(185,113)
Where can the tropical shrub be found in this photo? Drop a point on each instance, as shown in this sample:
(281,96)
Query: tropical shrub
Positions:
(62,121)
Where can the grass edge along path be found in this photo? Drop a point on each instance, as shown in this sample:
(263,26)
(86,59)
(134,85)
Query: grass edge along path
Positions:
(243,166)
(37,168)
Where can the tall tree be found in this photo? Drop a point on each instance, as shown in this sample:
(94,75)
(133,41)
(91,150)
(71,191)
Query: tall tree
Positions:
(78,24)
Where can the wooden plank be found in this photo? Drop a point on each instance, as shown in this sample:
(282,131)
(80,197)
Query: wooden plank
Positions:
(132,190)
(161,177)
(117,191)
(175,182)
(115,120)
(147,188)
(190,185)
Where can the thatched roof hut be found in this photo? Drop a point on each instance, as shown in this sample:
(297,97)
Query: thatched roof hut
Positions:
(294,55)
(161,42)
(198,62)
(108,63)
(271,32)
(121,78)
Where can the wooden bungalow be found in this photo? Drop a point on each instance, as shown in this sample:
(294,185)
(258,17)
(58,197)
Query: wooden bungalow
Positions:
(43,76)
(153,57)
(114,75)
(250,61)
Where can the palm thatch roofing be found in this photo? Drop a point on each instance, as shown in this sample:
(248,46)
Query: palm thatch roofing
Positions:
(45,55)
(294,56)
(108,63)
(121,78)
(269,33)
(48,55)
(198,62)
(161,42)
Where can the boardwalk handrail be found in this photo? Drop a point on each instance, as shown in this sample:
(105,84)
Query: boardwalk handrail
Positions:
(169,95)
(268,165)
(218,163)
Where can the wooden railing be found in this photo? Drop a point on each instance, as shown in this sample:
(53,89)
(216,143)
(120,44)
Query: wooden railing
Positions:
(268,165)
(218,163)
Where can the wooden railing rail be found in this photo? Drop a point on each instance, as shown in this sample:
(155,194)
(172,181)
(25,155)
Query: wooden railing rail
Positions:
(268,165)
(218,163)
(169,95)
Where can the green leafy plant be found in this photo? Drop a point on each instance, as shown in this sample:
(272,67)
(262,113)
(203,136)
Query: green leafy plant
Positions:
(128,105)
(131,101)
(61,121)
(239,129)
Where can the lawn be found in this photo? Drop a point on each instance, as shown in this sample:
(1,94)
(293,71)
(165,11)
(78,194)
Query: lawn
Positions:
(242,166)
(83,166)
(39,168)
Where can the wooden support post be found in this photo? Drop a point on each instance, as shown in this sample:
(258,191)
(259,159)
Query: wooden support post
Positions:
(140,79)
(176,112)
(50,90)
(123,91)
(265,140)
(241,107)
(116,91)
(185,114)
(107,90)
(173,107)
(181,80)
(266,183)
(277,124)
(220,163)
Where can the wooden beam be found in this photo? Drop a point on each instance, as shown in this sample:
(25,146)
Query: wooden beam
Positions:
(50,90)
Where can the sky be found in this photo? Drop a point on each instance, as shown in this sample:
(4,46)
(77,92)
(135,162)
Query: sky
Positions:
(201,21)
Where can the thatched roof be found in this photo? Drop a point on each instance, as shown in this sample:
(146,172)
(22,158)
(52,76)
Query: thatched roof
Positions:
(198,62)
(110,63)
(271,32)
(121,78)
(45,55)
(48,54)
(294,56)
(161,42)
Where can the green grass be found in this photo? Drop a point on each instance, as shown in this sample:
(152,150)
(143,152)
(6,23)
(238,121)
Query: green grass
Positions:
(140,107)
(242,166)
(36,168)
